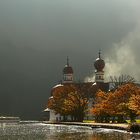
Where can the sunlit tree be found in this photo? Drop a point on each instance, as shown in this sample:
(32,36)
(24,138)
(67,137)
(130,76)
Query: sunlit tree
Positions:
(118,103)
(134,103)
(69,100)
(99,107)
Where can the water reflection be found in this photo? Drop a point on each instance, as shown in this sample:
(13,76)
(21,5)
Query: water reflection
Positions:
(112,134)
(39,131)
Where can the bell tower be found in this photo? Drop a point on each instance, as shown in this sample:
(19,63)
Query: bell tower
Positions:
(67,73)
(99,65)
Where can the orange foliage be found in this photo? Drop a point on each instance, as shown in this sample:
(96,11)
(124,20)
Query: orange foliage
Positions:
(100,105)
(68,100)
(117,102)
(134,103)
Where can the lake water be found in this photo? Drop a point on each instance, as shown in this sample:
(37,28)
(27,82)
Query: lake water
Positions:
(40,131)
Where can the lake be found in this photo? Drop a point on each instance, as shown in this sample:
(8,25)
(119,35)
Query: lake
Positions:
(40,131)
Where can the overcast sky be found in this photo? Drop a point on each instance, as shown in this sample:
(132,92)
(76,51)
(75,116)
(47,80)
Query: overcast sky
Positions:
(36,36)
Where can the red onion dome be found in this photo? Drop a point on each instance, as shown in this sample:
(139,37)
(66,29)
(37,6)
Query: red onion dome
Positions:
(99,64)
(67,70)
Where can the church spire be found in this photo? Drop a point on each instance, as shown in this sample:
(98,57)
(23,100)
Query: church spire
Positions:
(99,53)
(67,61)
(67,73)
(99,65)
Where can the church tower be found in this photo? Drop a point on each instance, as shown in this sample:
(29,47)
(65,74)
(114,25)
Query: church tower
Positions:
(99,65)
(67,73)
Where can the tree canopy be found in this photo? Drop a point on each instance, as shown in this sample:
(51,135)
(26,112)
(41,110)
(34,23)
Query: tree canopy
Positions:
(124,101)
(69,100)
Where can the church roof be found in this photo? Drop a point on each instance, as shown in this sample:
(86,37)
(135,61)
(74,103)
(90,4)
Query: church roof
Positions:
(89,88)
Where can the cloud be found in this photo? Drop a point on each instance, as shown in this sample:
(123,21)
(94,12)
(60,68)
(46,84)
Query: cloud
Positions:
(122,57)
(90,78)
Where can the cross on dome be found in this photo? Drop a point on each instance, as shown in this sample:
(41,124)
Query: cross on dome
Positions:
(67,61)
(99,53)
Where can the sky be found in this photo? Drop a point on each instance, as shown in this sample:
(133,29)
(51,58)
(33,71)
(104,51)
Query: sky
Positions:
(36,36)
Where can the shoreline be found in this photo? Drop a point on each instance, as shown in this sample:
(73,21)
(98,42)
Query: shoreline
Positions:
(94,125)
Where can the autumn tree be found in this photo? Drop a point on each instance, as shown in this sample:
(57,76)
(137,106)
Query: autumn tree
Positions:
(57,100)
(123,93)
(77,104)
(134,102)
(116,104)
(99,106)
(69,100)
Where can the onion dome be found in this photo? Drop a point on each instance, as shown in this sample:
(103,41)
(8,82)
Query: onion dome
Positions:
(67,69)
(99,64)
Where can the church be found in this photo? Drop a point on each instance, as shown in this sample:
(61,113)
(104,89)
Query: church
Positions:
(68,80)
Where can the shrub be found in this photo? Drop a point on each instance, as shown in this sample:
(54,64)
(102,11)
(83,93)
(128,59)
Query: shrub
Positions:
(135,128)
